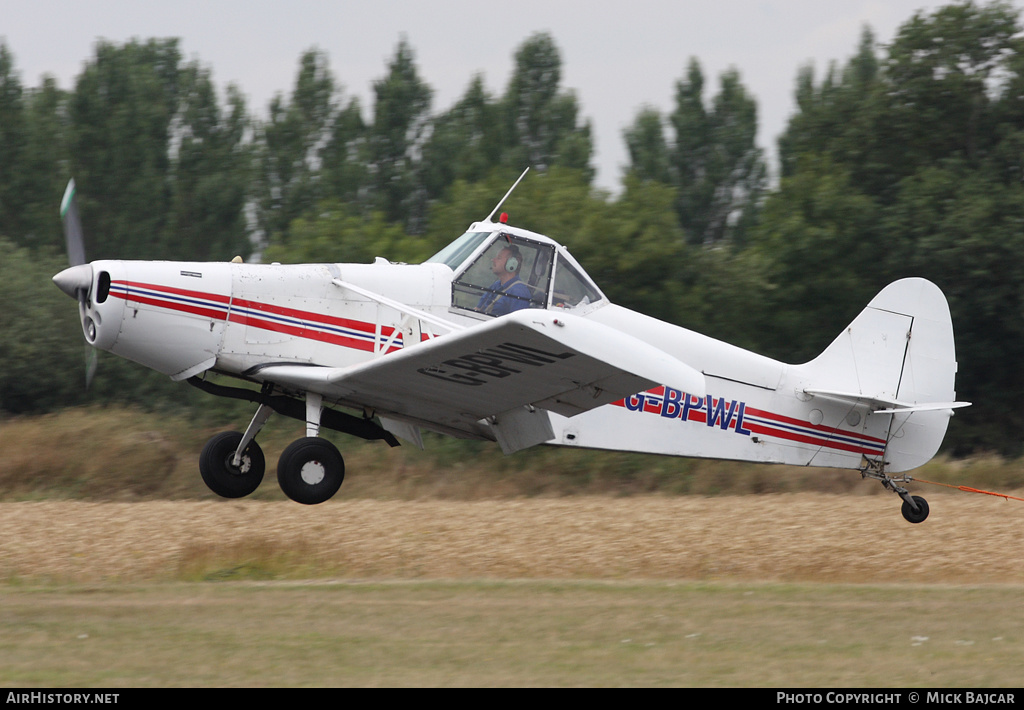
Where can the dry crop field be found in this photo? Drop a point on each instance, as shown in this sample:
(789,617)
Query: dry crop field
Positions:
(802,537)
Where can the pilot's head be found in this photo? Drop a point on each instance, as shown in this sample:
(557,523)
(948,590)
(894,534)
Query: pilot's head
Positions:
(507,262)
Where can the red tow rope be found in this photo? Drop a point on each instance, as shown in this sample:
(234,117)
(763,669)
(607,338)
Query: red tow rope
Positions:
(968,489)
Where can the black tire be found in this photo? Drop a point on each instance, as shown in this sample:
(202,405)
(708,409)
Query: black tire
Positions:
(310,470)
(922,510)
(225,479)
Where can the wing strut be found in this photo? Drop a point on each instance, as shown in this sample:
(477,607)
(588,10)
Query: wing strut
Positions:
(399,306)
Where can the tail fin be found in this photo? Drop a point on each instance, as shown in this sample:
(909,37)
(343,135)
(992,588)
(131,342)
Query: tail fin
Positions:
(896,359)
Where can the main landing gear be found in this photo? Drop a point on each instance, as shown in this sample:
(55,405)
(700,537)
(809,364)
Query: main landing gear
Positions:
(309,471)
(915,508)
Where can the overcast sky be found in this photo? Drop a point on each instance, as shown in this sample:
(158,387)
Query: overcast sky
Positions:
(617,55)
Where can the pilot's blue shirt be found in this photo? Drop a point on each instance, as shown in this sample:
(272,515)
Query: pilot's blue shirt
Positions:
(499,300)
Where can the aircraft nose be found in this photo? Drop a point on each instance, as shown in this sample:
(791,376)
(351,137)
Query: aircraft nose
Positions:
(74,279)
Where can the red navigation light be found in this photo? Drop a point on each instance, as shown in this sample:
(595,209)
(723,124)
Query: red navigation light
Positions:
(503,218)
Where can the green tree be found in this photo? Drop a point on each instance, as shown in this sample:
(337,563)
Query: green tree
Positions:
(344,170)
(717,169)
(962,229)
(339,233)
(161,169)
(121,113)
(842,117)
(634,249)
(403,162)
(820,244)
(41,343)
(541,121)
(290,145)
(31,155)
(211,171)
(466,142)
(44,167)
(555,203)
(648,149)
(401,118)
(941,70)
(12,143)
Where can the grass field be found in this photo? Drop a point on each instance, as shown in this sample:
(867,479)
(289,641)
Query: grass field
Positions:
(510,633)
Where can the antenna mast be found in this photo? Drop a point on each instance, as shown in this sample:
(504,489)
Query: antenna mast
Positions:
(498,206)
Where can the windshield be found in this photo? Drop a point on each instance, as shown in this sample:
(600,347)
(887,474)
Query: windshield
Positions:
(571,288)
(458,251)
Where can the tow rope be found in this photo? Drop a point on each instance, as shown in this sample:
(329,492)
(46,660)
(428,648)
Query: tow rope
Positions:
(967,489)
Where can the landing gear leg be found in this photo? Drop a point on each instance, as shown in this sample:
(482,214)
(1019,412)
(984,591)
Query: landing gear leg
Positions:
(258,420)
(314,406)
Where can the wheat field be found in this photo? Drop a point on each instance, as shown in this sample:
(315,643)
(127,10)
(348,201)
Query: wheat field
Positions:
(803,537)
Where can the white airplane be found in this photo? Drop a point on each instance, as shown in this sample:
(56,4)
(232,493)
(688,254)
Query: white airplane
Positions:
(502,336)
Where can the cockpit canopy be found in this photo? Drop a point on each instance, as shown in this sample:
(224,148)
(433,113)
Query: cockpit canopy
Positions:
(498,270)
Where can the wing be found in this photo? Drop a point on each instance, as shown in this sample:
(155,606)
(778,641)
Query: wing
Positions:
(489,380)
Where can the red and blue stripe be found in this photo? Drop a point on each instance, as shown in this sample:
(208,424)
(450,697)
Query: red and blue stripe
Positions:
(311,325)
(749,421)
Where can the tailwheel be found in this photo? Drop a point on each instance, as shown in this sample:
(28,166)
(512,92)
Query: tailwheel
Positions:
(310,470)
(915,508)
(221,474)
(915,516)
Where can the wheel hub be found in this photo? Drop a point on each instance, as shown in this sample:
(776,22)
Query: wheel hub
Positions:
(312,472)
(241,469)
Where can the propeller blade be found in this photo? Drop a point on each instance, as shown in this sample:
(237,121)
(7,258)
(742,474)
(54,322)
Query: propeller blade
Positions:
(76,280)
(73,235)
(90,364)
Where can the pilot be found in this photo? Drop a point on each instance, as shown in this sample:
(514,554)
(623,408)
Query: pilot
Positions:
(508,293)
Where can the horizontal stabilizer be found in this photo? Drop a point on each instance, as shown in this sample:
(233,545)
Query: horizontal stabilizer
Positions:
(882,405)
(937,406)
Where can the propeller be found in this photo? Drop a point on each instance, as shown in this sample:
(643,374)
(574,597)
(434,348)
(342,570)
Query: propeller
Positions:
(76,280)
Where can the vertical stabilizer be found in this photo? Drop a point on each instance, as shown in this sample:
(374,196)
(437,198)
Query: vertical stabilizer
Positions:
(897,359)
